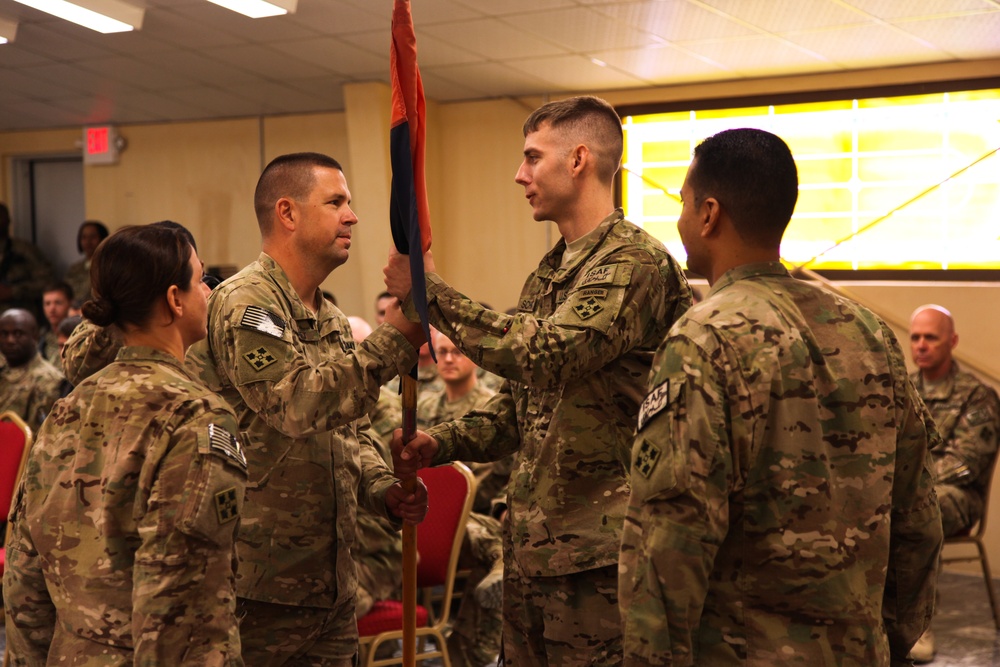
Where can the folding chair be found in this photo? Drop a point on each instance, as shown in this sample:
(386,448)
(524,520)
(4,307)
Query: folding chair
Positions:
(15,443)
(450,492)
(975,536)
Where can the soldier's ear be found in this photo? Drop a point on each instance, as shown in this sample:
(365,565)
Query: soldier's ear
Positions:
(710,213)
(285,213)
(174,301)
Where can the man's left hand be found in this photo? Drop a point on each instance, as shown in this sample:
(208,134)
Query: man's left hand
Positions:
(410,507)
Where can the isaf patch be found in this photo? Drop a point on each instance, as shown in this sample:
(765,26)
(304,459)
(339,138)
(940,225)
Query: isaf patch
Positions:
(226,506)
(654,403)
(227,444)
(260,358)
(598,276)
(646,459)
(264,321)
(589,307)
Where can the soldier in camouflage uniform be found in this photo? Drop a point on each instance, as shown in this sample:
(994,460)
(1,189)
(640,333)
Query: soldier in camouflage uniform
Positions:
(122,549)
(575,357)
(967,415)
(283,357)
(475,633)
(782,508)
(29,385)
(24,270)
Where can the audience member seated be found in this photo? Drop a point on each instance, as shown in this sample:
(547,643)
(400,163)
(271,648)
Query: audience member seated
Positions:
(88,237)
(29,385)
(475,635)
(57,299)
(967,414)
(24,271)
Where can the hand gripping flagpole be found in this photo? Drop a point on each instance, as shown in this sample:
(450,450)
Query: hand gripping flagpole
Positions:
(409,218)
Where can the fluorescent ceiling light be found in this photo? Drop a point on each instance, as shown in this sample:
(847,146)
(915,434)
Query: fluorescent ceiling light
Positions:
(257,9)
(8,29)
(100,15)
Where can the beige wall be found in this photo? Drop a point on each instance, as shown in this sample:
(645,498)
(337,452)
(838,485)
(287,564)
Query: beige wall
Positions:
(485,242)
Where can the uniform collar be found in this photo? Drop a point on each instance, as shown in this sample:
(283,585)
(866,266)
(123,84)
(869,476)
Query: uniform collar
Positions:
(549,267)
(305,319)
(142,353)
(940,390)
(747,271)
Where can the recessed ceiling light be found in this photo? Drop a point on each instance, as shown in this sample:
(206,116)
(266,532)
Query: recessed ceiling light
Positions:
(257,9)
(101,15)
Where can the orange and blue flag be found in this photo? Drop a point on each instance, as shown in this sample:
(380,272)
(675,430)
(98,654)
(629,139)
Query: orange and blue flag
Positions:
(409,214)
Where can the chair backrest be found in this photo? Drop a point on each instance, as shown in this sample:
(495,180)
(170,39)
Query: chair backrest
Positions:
(980,528)
(450,492)
(15,441)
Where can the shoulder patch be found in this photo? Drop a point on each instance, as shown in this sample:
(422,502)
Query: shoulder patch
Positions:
(654,403)
(598,276)
(226,506)
(260,358)
(588,307)
(264,321)
(646,458)
(222,441)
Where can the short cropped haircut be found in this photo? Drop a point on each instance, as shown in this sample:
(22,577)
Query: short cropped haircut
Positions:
(591,121)
(752,174)
(59,286)
(286,176)
(132,269)
(102,231)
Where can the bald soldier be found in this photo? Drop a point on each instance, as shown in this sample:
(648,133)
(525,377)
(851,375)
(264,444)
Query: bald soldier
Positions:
(967,414)
(29,385)
(575,357)
(782,508)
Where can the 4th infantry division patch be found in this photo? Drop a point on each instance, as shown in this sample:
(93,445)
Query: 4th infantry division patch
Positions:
(225,505)
(646,458)
(588,308)
(260,358)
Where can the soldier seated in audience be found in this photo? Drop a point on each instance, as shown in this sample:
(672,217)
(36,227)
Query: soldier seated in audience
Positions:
(57,299)
(29,385)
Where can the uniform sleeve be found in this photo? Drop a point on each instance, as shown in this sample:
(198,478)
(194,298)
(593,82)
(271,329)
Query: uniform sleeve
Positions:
(609,311)
(295,395)
(678,511)
(486,434)
(31,615)
(915,528)
(89,349)
(376,476)
(967,454)
(184,590)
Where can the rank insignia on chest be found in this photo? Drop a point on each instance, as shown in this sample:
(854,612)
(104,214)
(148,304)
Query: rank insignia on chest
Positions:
(588,307)
(264,321)
(260,358)
(226,506)
(654,402)
(646,459)
(227,444)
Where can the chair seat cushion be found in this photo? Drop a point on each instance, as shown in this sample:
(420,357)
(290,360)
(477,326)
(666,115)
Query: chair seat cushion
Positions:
(387,616)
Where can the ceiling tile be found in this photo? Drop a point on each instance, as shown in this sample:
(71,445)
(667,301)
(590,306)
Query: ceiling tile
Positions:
(662,65)
(754,56)
(786,15)
(55,45)
(337,18)
(443,90)
(583,30)
(137,73)
(510,7)
(571,73)
(32,87)
(493,79)
(675,19)
(332,53)
(266,62)
(493,39)
(971,36)
(329,90)
(178,29)
(13,56)
(199,67)
(894,9)
(879,45)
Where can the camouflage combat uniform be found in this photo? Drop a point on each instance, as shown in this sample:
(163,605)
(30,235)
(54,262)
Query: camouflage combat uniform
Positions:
(78,277)
(30,390)
(576,357)
(475,632)
(782,508)
(48,346)
(301,389)
(25,270)
(89,349)
(122,550)
(967,415)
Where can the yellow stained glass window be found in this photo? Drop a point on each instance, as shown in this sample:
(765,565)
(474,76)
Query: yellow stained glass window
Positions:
(884,183)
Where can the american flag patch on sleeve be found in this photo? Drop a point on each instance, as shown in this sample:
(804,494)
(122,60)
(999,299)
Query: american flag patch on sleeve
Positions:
(224,442)
(266,322)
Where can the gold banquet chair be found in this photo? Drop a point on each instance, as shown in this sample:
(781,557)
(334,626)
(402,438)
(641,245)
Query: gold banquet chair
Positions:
(450,492)
(974,535)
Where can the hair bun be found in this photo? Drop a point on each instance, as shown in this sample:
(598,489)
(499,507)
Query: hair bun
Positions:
(100,311)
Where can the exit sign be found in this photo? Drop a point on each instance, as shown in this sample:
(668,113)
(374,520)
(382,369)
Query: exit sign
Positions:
(101,144)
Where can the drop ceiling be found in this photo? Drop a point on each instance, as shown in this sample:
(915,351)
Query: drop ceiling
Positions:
(195,60)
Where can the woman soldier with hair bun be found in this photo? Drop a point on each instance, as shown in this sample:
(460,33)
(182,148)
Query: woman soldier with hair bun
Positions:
(122,550)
